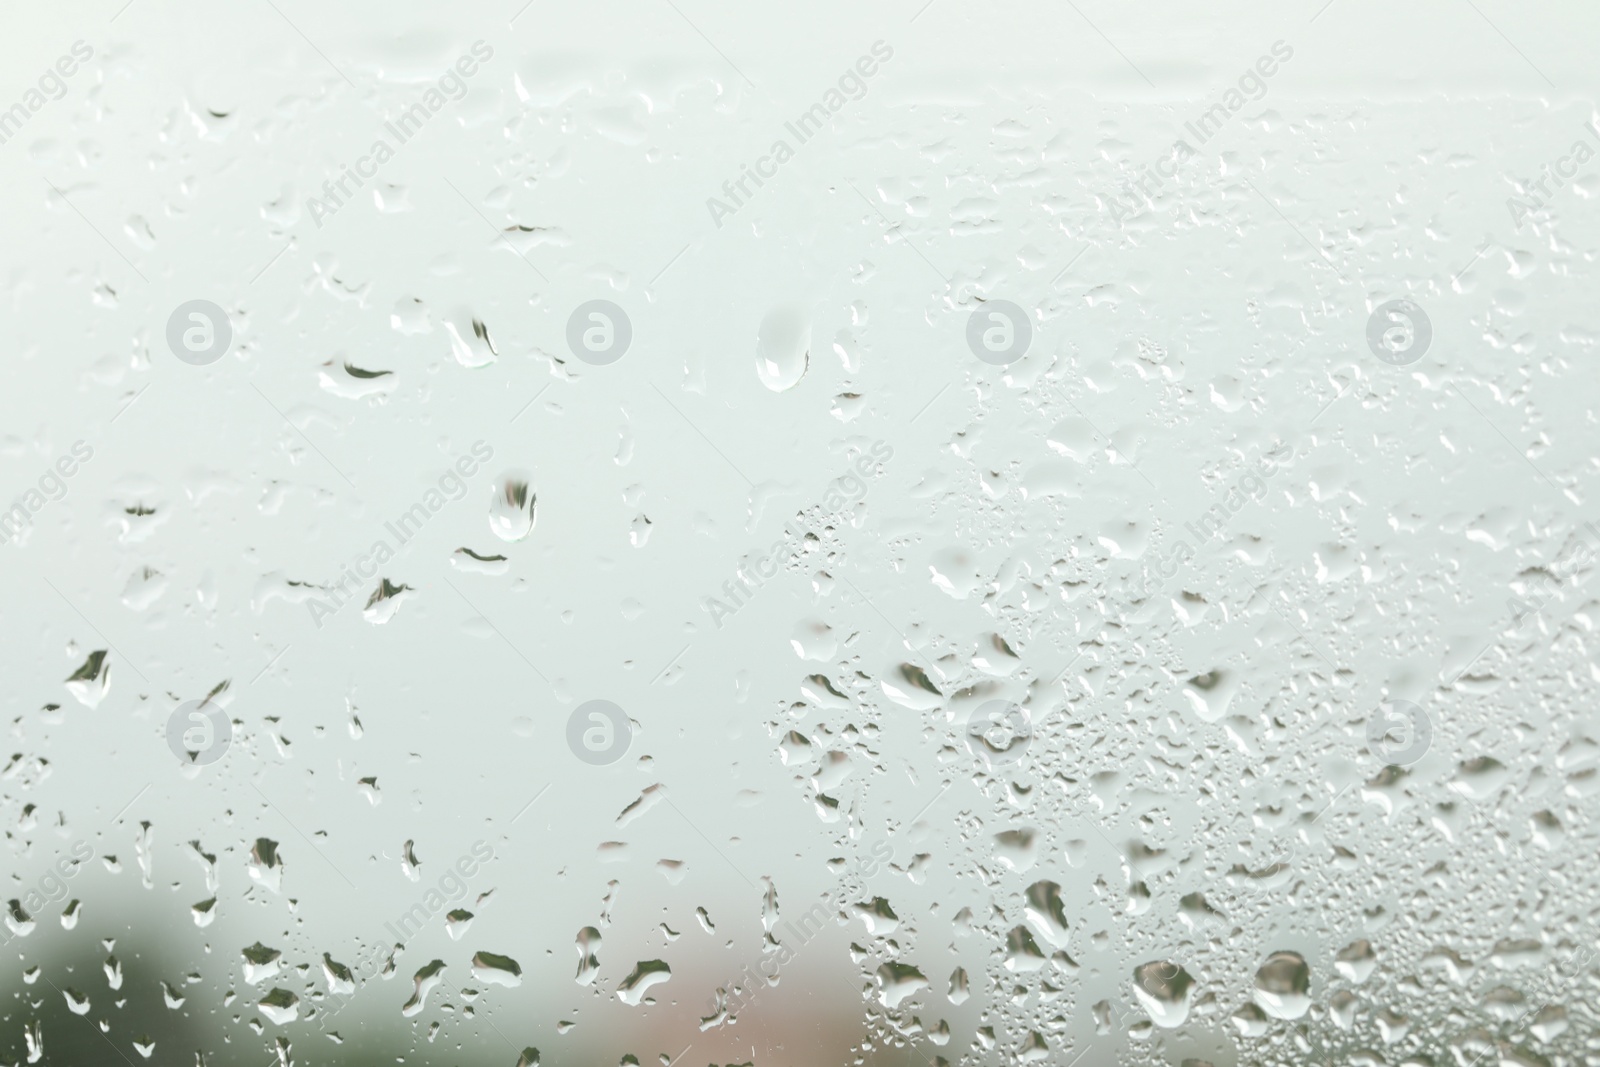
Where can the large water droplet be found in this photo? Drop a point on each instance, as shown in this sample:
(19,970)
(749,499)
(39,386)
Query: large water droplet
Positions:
(341,982)
(897,981)
(783,348)
(260,962)
(280,1006)
(1283,986)
(1163,990)
(1356,961)
(265,865)
(1045,912)
(646,973)
(18,921)
(588,955)
(491,968)
(511,506)
(385,601)
(91,682)
(814,639)
(423,983)
(470,342)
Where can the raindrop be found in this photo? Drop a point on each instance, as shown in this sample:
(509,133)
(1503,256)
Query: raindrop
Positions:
(897,981)
(646,973)
(1283,984)
(264,865)
(18,921)
(1045,913)
(91,682)
(1163,989)
(588,955)
(423,982)
(385,601)
(1356,961)
(494,969)
(260,962)
(783,348)
(470,342)
(280,1006)
(340,981)
(512,506)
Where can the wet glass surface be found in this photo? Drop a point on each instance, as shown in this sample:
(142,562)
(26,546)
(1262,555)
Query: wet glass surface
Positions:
(656,533)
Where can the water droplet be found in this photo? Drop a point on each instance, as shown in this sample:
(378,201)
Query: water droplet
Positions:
(1023,955)
(783,348)
(1044,911)
(385,601)
(1356,961)
(18,921)
(897,981)
(340,981)
(1283,984)
(470,342)
(265,865)
(464,559)
(350,382)
(814,640)
(1480,778)
(879,917)
(494,969)
(423,983)
(512,506)
(457,922)
(260,962)
(1163,989)
(646,973)
(280,1006)
(588,955)
(91,682)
